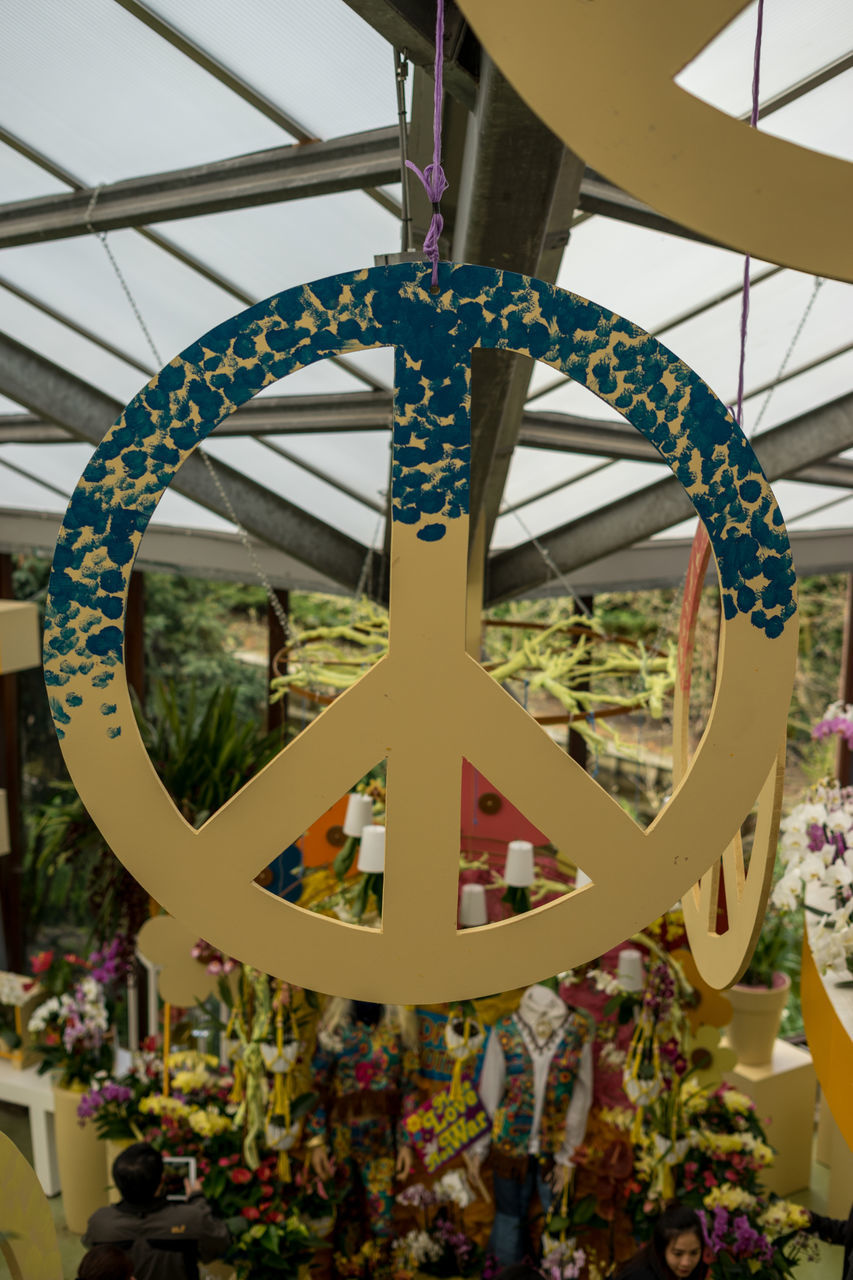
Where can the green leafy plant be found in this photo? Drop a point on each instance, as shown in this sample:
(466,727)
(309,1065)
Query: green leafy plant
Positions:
(775,950)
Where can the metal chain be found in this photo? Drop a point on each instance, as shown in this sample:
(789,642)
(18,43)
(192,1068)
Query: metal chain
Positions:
(275,603)
(818,283)
(554,568)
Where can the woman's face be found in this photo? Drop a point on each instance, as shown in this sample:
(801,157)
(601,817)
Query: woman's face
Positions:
(683,1253)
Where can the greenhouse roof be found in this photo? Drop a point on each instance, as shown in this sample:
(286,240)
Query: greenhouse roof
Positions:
(228,151)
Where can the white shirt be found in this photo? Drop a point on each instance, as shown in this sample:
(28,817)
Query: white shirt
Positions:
(540,1023)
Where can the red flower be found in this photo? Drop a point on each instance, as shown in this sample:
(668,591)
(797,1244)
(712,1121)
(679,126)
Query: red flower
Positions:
(266,1191)
(263,1173)
(273,1215)
(251,1212)
(41,962)
(224,1162)
(241,1176)
(364,1073)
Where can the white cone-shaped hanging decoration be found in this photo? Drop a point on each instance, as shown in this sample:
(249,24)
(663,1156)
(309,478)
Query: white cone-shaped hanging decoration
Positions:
(630,972)
(359,813)
(581,878)
(371,853)
(519,864)
(472,906)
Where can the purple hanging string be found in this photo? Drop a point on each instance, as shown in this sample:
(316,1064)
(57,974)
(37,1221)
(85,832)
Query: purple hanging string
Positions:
(744,306)
(434,181)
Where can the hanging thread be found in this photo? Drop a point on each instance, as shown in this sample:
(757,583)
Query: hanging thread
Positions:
(275,603)
(433,177)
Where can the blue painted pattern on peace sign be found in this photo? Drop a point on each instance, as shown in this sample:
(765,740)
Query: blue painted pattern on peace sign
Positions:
(433,336)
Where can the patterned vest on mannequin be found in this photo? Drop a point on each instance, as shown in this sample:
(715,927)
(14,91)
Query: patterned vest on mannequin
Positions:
(514,1117)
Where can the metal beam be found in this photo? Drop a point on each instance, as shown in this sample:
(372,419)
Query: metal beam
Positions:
(237,85)
(804,86)
(519,187)
(784,450)
(53,393)
(409,25)
(261,177)
(597,195)
(174,250)
(619,441)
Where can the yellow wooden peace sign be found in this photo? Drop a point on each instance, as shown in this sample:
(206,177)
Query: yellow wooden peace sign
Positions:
(722,957)
(427,703)
(601,74)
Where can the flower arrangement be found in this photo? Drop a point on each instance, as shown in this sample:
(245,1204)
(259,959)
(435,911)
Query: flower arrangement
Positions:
(438,1246)
(816,849)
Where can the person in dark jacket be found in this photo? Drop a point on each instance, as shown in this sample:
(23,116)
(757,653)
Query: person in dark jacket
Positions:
(165,1239)
(675,1251)
(105,1262)
(835,1231)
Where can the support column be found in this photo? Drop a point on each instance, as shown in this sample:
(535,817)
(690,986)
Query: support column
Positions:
(11,865)
(276,711)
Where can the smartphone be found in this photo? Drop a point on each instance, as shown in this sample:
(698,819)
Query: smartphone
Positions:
(177,1169)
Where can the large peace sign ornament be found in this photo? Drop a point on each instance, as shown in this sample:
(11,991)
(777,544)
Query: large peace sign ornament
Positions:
(601,74)
(427,704)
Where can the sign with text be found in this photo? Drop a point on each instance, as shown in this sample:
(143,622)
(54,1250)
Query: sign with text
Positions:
(444,1126)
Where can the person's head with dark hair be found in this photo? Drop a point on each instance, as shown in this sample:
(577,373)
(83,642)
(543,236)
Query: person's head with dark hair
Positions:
(678,1243)
(519,1271)
(138,1172)
(105,1262)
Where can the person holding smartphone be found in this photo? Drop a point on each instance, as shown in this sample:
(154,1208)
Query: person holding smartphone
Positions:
(166,1239)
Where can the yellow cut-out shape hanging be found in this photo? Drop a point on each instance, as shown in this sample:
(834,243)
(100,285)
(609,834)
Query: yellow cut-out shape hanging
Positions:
(27,1234)
(600,73)
(722,957)
(427,704)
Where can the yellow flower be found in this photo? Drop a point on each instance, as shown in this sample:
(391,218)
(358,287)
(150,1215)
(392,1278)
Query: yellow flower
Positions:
(208,1122)
(782,1216)
(157,1105)
(619,1117)
(729,1197)
(191,1060)
(190,1081)
(737,1103)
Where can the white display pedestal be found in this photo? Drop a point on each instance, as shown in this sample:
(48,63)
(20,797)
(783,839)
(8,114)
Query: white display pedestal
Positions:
(784,1091)
(35,1092)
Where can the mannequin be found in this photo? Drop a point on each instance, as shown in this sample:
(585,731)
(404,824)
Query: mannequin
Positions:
(364,1069)
(536,1085)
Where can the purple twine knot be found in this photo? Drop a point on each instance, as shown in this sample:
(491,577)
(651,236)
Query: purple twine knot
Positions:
(433,177)
(434,184)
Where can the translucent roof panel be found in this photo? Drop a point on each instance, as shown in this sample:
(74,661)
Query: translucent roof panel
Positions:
(59,465)
(575,501)
(315,59)
(797,396)
(819,120)
(21,179)
(175,510)
(9,406)
(273,247)
(19,493)
(56,341)
(130,102)
(359,460)
(297,486)
(647,276)
(532,471)
(797,40)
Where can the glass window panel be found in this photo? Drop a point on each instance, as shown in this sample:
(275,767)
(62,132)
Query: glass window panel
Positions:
(88,85)
(797,40)
(316,59)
